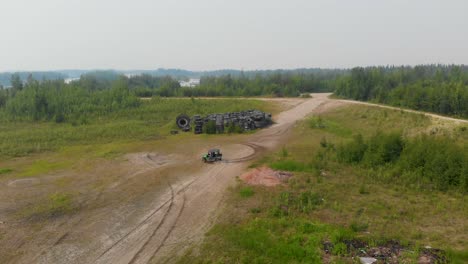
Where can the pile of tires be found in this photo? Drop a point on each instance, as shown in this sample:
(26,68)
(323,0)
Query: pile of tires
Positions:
(245,120)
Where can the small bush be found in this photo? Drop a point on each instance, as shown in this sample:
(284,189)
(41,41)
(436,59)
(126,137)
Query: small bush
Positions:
(246,192)
(316,122)
(359,226)
(363,189)
(5,170)
(354,151)
(284,152)
(382,149)
(340,249)
(323,142)
(255,210)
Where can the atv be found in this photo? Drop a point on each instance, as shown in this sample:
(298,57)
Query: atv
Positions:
(212,156)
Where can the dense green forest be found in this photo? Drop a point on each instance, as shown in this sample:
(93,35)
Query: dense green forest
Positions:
(60,102)
(434,88)
(277,84)
(103,92)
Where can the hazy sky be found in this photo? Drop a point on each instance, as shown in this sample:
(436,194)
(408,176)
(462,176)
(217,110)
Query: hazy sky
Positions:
(239,34)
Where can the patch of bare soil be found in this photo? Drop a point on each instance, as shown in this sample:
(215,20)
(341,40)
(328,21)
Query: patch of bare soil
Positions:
(265,176)
(153,160)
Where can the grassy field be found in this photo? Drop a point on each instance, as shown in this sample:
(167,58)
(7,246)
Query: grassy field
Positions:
(152,120)
(328,202)
(31,149)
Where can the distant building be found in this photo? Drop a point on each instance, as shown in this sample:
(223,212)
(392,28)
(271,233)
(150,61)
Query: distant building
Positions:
(191,83)
(69,80)
(130,75)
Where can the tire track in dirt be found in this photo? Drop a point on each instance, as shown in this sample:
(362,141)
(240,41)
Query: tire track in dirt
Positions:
(134,229)
(146,252)
(170,230)
(137,254)
(171,200)
(147,159)
(256,149)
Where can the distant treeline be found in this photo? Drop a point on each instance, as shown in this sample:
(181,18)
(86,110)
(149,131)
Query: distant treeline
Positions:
(276,84)
(434,88)
(5,77)
(103,92)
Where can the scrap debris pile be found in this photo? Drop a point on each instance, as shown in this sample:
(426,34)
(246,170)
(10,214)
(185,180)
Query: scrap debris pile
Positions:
(245,120)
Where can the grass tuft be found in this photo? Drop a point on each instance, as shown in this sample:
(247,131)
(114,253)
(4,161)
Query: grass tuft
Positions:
(5,171)
(56,205)
(246,192)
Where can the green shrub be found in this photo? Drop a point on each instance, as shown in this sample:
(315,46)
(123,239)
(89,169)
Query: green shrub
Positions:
(437,161)
(363,189)
(246,192)
(284,152)
(340,249)
(323,142)
(316,122)
(56,205)
(359,226)
(352,152)
(427,162)
(382,149)
(5,170)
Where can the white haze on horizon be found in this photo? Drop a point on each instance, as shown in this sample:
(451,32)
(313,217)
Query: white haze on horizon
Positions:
(217,34)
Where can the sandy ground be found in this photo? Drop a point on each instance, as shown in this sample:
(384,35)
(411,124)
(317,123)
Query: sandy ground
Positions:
(144,207)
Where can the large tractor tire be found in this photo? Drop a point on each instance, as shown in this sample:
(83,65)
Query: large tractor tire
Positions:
(183,122)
